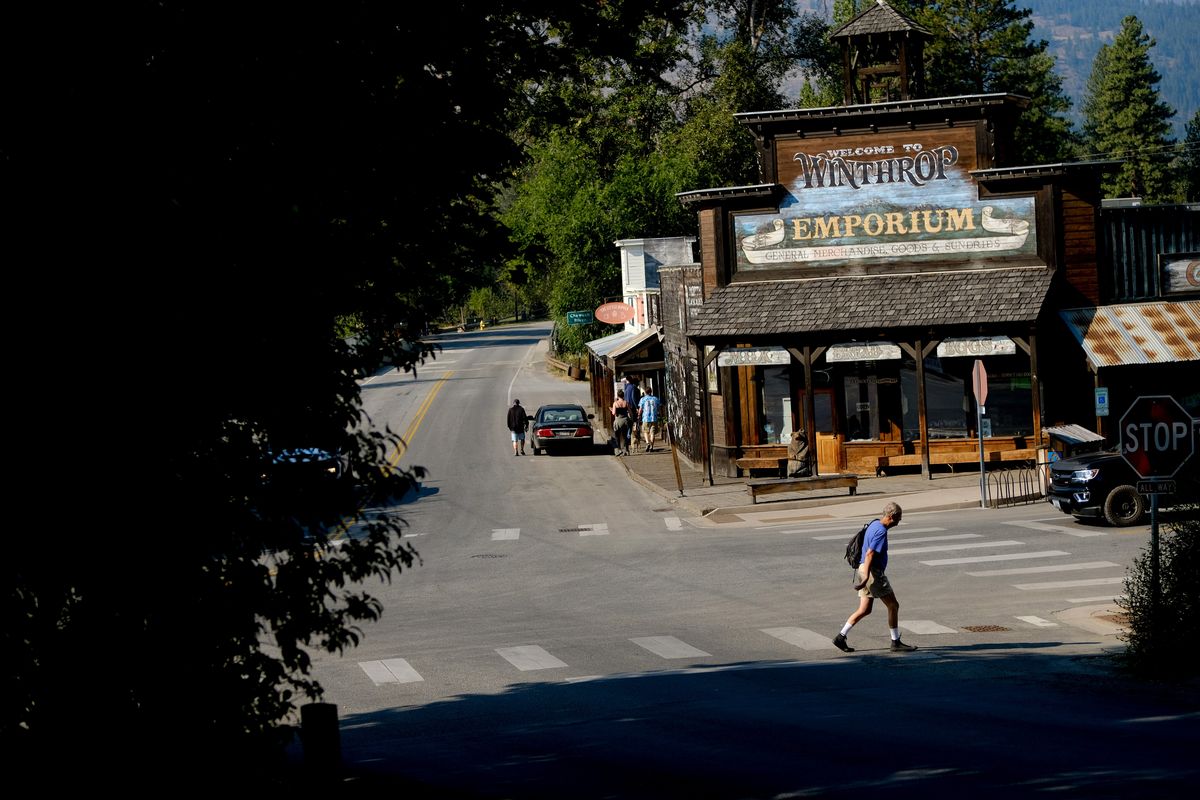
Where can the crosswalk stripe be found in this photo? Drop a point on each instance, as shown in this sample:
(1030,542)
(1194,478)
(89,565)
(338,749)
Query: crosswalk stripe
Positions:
(529,657)
(668,647)
(1039,526)
(1070,584)
(673,523)
(925,626)
(1104,598)
(947,538)
(392,670)
(801,637)
(501,534)
(1038,621)
(594,529)
(848,533)
(1054,568)
(945,562)
(903,551)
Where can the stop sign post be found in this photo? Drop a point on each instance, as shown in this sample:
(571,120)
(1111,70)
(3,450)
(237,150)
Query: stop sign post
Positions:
(1156,436)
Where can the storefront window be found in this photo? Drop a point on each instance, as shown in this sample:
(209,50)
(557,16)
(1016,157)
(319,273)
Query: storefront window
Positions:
(862,406)
(1009,403)
(776,398)
(950,407)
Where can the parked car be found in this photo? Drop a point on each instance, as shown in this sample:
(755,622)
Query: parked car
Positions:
(560,427)
(1097,485)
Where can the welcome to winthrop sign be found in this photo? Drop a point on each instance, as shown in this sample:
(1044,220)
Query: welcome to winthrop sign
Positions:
(900,197)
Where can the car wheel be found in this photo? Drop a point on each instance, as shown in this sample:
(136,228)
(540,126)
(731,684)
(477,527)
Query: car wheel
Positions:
(537,451)
(1124,506)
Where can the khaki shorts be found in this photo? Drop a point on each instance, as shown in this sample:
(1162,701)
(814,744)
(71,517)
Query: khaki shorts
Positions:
(877,584)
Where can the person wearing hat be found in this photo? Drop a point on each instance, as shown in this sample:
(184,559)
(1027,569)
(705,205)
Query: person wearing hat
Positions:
(517,421)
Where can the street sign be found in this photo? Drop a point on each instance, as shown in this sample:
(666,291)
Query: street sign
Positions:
(1156,487)
(979,383)
(1156,436)
(1101,401)
(579,317)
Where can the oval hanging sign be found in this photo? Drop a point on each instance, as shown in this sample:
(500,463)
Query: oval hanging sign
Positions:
(614,313)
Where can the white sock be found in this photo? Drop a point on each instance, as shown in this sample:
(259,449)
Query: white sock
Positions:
(846,628)
(895,634)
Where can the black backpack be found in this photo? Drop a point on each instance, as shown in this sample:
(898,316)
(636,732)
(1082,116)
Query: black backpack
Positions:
(854,547)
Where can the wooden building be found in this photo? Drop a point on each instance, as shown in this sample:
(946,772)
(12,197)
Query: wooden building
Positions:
(888,247)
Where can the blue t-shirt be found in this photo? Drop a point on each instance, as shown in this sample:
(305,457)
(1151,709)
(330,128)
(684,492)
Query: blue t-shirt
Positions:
(876,539)
(649,408)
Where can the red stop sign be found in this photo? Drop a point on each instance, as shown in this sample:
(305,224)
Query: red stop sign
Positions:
(1156,436)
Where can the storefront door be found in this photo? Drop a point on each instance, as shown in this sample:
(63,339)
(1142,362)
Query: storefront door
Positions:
(829,449)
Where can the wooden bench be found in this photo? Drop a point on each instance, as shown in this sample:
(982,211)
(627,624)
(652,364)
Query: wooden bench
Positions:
(775,485)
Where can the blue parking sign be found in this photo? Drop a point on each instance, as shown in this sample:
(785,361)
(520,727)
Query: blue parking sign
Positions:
(1101,401)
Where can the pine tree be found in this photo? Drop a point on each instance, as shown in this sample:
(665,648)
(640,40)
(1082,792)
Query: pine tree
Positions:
(1124,116)
(986,46)
(1190,160)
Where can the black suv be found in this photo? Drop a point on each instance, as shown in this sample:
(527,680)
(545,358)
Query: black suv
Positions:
(1104,485)
(1097,485)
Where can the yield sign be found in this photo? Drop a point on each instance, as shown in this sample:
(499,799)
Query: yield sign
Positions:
(979,383)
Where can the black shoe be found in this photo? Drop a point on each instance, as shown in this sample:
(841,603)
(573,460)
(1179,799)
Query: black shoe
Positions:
(839,642)
(900,647)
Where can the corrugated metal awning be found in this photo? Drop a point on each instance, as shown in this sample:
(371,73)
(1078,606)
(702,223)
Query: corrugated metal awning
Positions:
(633,343)
(1137,333)
(1073,434)
(603,346)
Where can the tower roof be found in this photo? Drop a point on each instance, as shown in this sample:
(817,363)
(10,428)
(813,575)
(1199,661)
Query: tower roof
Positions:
(878,18)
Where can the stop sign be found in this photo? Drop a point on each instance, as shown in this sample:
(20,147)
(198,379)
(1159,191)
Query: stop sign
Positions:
(1156,436)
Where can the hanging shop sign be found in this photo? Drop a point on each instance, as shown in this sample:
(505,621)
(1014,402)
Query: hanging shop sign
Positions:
(895,197)
(863,351)
(977,346)
(614,313)
(754,356)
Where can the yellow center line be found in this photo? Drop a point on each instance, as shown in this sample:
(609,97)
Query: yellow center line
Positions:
(401,449)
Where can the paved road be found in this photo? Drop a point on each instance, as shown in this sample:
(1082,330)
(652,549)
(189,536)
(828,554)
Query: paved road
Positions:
(570,633)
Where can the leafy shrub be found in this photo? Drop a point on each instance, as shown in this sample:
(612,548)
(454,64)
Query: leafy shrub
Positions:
(1162,631)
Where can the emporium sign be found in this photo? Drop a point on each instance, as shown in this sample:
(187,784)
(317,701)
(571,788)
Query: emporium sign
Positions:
(888,198)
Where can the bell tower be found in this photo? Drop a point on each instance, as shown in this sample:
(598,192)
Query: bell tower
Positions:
(882,56)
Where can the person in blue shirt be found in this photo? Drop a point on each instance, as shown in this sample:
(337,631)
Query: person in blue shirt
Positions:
(870,581)
(648,416)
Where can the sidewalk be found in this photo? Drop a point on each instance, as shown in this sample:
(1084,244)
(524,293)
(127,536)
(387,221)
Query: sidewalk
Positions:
(728,501)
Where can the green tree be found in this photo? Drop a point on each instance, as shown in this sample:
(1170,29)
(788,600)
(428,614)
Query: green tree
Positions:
(215,193)
(983,46)
(1190,160)
(1125,118)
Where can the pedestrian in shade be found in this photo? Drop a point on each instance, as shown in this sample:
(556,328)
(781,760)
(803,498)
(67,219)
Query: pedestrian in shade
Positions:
(871,582)
(518,422)
(620,426)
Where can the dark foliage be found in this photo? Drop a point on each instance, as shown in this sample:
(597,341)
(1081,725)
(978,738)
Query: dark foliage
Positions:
(203,197)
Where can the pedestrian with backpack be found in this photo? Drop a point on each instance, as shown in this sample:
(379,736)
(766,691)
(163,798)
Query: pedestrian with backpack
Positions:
(870,579)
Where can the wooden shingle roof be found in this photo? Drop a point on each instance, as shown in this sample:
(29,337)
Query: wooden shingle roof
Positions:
(969,297)
(878,19)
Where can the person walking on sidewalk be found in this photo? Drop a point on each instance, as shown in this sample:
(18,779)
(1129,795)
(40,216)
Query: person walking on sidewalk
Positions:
(517,422)
(620,428)
(648,415)
(871,581)
(633,396)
